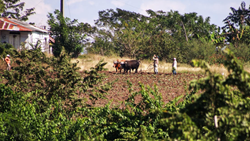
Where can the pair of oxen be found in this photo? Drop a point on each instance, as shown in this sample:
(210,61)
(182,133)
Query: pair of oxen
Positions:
(127,65)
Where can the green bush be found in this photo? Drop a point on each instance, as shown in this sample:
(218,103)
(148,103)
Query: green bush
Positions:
(242,52)
(6,49)
(198,50)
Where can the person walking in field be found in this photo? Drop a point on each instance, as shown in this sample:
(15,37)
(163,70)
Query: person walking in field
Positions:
(174,66)
(7,60)
(156,63)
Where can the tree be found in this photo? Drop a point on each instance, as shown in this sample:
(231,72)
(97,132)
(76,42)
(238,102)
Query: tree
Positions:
(14,9)
(236,23)
(238,17)
(186,26)
(161,33)
(68,34)
(103,44)
(2,7)
(124,28)
(112,18)
(131,38)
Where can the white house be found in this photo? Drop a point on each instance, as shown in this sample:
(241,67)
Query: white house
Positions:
(15,32)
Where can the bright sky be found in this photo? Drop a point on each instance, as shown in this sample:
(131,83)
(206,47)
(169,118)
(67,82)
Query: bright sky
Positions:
(87,10)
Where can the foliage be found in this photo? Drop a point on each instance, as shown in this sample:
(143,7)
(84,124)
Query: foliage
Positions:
(241,52)
(68,34)
(122,32)
(238,17)
(14,9)
(10,125)
(102,44)
(5,49)
(245,39)
(136,36)
(220,112)
(2,7)
(169,34)
(186,26)
(50,80)
(216,59)
(192,119)
(236,25)
(36,46)
(211,113)
(42,98)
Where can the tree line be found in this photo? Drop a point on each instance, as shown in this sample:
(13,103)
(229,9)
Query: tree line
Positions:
(125,33)
(169,34)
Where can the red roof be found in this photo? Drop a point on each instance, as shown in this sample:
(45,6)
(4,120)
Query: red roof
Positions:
(16,25)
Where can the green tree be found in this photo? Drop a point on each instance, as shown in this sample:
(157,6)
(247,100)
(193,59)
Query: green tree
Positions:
(161,33)
(124,28)
(2,7)
(246,36)
(130,39)
(238,17)
(112,18)
(236,24)
(103,43)
(68,34)
(186,26)
(14,9)
(172,33)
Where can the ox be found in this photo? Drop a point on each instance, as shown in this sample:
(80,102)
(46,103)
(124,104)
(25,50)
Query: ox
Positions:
(131,64)
(119,65)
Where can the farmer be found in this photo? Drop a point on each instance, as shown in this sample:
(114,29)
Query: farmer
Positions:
(174,66)
(156,63)
(7,60)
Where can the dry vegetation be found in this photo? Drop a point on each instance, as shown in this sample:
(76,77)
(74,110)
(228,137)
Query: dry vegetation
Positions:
(89,60)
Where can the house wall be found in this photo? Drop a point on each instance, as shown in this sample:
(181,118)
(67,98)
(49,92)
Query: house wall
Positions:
(14,39)
(4,36)
(43,37)
(26,38)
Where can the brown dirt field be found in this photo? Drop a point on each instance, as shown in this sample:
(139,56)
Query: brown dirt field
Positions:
(168,85)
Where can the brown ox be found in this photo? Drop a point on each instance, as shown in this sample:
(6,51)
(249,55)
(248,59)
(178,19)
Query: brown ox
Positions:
(118,65)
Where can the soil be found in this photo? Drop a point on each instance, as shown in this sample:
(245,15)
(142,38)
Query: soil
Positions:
(169,85)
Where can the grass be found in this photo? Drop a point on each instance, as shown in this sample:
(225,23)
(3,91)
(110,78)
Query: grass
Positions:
(89,60)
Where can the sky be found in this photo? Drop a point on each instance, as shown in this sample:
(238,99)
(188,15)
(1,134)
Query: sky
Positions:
(86,11)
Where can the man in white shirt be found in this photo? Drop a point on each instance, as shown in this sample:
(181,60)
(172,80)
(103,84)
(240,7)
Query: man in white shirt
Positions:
(174,66)
(156,63)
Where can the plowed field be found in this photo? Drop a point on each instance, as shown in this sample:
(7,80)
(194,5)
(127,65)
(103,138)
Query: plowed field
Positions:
(168,85)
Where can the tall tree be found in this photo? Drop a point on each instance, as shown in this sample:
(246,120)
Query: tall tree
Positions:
(124,28)
(162,33)
(68,34)
(186,26)
(130,38)
(238,17)
(113,18)
(103,43)
(14,9)
(236,23)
